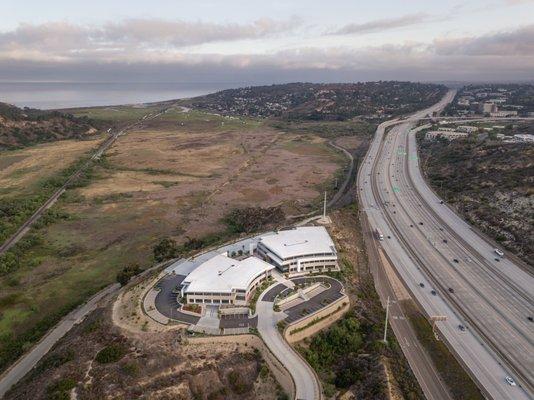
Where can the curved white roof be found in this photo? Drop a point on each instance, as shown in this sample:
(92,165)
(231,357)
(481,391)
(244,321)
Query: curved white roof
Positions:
(221,274)
(299,242)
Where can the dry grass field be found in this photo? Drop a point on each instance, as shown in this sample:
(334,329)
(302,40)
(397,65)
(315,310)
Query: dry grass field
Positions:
(177,176)
(21,171)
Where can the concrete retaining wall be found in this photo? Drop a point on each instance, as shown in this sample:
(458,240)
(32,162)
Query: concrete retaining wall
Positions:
(330,313)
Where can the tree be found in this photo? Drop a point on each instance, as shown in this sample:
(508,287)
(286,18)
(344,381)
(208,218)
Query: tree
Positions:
(124,276)
(165,249)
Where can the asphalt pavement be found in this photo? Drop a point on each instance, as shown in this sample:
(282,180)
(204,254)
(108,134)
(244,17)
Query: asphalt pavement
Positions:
(306,382)
(492,299)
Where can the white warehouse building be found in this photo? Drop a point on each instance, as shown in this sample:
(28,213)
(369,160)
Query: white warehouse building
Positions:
(299,251)
(224,280)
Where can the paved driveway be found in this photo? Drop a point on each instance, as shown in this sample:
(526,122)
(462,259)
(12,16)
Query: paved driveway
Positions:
(307,386)
(166,300)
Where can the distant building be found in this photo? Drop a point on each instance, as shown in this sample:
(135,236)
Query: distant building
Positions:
(224,280)
(463,102)
(487,108)
(467,128)
(431,135)
(524,138)
(474,106)
(299,251)
(505,113)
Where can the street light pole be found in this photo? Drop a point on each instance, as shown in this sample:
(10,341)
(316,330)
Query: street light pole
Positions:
(386,321)
(324,206)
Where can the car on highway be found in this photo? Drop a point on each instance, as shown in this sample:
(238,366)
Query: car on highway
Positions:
(498,252)
(445,241)
(510,381)
(422,284)
(455,260)
(433,292)
(461,327)
(530,319)
(441,202)
(451,290)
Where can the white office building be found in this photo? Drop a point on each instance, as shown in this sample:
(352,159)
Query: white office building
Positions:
(300,250)
(223,280)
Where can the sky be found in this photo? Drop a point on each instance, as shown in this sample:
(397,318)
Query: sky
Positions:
(266,41)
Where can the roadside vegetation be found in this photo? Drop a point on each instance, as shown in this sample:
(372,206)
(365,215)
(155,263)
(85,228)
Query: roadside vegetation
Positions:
(489,183)
(459,382)
(350,356)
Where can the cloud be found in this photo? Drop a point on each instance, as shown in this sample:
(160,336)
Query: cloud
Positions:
(516,2)
(419,62)
(385,24)
(519,42)
(62,40)
(142,50)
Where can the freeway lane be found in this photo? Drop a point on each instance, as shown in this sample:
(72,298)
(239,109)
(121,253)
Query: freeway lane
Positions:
(492,299)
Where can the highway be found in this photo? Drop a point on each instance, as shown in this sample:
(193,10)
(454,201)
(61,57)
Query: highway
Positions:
(429,244)
(420,362)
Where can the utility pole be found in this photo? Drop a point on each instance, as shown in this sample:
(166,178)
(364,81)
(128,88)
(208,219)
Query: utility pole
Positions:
(324,206)
(386,321)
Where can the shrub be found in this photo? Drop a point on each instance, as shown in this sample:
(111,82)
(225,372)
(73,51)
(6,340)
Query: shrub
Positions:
(110,354)
(237,383)
(124,276)
(165,249)
(59,390)
(264,371)
(251,219)
(131,369)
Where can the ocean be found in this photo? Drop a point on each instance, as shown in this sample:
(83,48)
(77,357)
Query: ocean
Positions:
(51,95)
